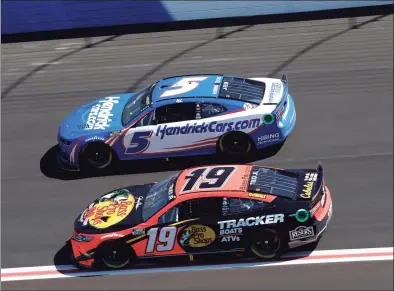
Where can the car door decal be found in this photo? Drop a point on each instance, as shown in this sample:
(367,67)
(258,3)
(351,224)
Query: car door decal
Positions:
(165,238)
(139,142)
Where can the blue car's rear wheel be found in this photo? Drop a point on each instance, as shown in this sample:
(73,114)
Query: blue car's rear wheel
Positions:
(268,245)
(96,156)
(236,144)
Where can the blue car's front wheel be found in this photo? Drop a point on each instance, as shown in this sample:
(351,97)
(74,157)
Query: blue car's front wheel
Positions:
(96,156)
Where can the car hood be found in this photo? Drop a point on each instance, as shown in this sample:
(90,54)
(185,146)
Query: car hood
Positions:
(117,210)
(98,116)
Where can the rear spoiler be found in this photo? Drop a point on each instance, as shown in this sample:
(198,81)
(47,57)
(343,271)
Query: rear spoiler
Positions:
(319,168)
(311,183)
(284,79)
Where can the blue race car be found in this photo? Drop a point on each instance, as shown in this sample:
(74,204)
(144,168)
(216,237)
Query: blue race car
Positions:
(178,116)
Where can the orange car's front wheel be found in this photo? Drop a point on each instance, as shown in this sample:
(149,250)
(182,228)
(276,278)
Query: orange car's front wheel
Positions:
(113,255)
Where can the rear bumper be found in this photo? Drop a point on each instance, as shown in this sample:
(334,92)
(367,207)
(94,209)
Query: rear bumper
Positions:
(287,120)
(319,227)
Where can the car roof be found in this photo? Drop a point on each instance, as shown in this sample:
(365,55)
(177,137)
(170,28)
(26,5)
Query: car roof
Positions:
(236,181)
(268,181)
(207,86)
(203,86)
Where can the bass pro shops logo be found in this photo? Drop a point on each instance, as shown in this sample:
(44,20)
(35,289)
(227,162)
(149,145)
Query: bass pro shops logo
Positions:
(100,115)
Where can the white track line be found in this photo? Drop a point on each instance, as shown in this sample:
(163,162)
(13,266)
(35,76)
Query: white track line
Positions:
(299,258)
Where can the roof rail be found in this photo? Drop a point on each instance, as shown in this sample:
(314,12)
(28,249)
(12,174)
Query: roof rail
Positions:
(209,74)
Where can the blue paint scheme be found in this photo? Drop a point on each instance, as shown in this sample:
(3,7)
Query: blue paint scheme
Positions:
(43,15)
(70,127)
(73,136)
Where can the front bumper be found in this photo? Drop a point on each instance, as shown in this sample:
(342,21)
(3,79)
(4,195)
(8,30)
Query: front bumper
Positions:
(83,253)
(67,156)
(65,163)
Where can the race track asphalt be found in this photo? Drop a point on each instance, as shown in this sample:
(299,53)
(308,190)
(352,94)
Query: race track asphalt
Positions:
(342,83)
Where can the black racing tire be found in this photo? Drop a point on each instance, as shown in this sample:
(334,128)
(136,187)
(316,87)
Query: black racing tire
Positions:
(96,157)
(269,245)
(113,255)
(236,144)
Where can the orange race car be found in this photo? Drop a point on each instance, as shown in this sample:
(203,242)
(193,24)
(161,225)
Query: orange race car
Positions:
(205,210)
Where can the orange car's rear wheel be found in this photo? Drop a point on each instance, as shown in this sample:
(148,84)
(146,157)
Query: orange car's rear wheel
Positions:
(268,245)
(114,255)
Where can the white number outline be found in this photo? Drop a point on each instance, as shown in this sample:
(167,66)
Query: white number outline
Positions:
(166,239)
(186,85)
(203,179)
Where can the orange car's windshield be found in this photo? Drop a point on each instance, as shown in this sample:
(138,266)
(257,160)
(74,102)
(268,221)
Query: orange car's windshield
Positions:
(159,196)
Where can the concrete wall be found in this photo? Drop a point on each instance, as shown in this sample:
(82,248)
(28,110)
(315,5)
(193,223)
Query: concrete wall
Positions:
(48,15)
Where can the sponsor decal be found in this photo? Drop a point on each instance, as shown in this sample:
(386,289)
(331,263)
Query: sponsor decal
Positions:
(231,238)
(178,100)
(257,195)
(280,124)
(284,116)
(274,88)
(171,194)
(139,231)
(315,208)
(197,236)
(112,235)
(205,127)
(248,106)
(323,199)
(253,177)
(215,89)
(252,221)
(301,232)
(273,137)
(108,209)
(235,231)
(307,190)
(279,113)
(225,86)
(218,79)
(100,115)
(139,202)
(225,207)
(310,177)
(230,235)
(115,133)
(95,138)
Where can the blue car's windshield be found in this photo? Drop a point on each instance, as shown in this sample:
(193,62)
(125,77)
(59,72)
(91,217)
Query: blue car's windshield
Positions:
(136,104)
(159,196)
